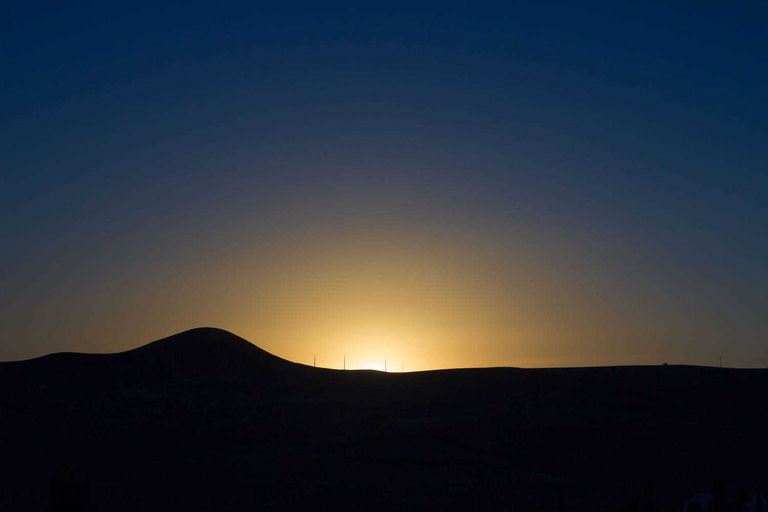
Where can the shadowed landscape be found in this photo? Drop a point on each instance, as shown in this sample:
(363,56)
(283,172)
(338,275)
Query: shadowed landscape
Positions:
(205,420)
(523,208)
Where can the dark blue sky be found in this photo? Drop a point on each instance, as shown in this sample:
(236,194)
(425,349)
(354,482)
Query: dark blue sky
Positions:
(595,172)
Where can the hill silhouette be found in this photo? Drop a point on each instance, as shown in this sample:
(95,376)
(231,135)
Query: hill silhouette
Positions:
(206,353)
(198,357)
(206,420)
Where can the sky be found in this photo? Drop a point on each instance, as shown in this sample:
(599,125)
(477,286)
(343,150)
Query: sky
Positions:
(536,184)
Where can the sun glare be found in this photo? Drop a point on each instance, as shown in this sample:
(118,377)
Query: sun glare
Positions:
(376,351)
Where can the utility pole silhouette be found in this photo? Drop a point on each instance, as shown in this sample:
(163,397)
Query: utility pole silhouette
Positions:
(345,361)
(314,360)
(385,366)
(721,361)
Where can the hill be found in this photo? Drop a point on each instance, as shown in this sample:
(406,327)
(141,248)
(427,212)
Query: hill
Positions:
(206,420)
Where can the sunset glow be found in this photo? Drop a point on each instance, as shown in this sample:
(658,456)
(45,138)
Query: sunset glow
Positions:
(441,189)
(383,256)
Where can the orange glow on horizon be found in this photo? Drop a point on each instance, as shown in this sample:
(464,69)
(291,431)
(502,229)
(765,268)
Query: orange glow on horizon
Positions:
(422,301)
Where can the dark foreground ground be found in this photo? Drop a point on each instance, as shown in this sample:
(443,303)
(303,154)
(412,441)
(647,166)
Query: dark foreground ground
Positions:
(207,421)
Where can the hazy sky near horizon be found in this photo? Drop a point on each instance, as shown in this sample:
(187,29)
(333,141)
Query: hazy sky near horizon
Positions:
(539,184)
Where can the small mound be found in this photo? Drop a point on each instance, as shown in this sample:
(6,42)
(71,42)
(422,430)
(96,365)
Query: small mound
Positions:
(204,352)
(199,340)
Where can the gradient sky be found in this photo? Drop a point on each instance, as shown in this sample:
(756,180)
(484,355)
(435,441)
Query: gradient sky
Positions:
(440,186)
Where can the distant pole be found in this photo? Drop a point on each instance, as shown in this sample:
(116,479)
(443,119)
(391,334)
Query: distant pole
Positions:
(721,361)
(401,368)
(314,360)
(385,365)
(345,361)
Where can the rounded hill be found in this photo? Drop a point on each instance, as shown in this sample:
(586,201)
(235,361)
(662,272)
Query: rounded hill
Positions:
(204,351)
